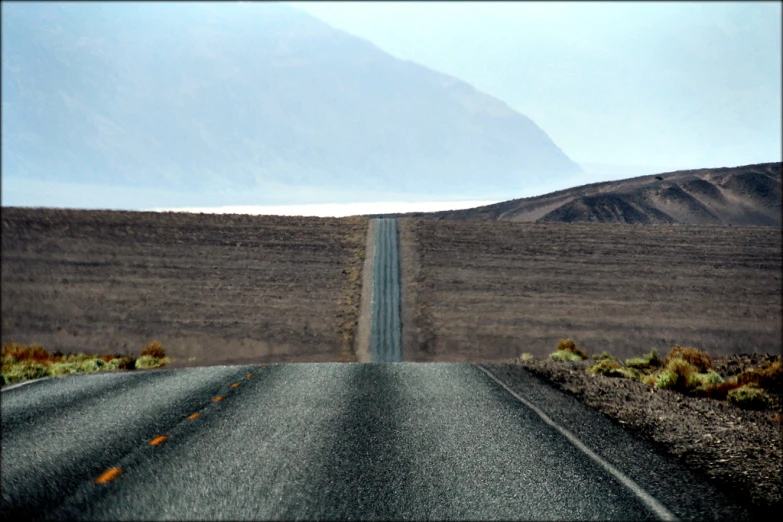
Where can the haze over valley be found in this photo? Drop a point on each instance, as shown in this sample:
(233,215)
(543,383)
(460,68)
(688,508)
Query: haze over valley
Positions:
(275,106)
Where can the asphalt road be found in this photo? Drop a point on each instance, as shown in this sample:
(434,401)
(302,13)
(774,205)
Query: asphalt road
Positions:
(324,441)
(386,329)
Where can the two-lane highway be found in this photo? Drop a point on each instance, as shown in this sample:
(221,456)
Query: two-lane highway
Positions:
(386,329)
(299,441)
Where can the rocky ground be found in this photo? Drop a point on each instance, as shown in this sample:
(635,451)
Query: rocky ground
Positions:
(740,450)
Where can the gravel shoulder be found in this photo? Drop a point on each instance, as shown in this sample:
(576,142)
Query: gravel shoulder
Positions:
(739,450)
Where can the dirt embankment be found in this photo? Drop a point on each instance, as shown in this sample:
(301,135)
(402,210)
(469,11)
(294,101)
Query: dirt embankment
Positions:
(211,288)
(493,290)
(363,330)
(738,449)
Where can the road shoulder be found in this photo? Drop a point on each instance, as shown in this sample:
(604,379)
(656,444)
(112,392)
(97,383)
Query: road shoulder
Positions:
(365,308)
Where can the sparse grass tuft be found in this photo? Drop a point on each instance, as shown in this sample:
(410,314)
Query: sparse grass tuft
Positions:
(748,397)
(565,355)
(568,345)
(699,359)
(154,349)
(645,362)
(677,376)
(604,367)
(605,355)
(525,356)
(147,361)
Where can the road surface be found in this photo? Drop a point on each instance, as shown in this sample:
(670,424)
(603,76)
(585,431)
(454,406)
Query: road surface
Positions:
(386,329)
(326,441)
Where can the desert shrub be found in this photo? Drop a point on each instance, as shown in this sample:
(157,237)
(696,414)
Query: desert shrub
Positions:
(564,355)
(677,376)
(605,356)
(154,349)
(720,391)
(568,345)
(147,361)
(20,352)
(699,359)
(24,371)
(127,363)
(91,365)
(603,366)
(610,368)
(710,378)
(114,364)
(64,368)
(748,397)
(645,362)
(525,356)
(770,376)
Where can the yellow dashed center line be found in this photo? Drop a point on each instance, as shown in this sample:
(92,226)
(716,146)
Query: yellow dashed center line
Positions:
(108,475)
(235,385)
(262,367)
(158,440)
(218,398)
(250,375)
(194,416)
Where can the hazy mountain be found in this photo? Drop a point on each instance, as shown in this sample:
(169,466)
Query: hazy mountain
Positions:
(254,96)
(749,195)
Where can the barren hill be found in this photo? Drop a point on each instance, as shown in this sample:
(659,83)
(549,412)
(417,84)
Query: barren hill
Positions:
(744,196)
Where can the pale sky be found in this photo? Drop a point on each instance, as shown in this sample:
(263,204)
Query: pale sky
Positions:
(658,84)
(622,88)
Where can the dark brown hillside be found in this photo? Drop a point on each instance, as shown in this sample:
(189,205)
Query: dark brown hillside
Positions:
(741,196)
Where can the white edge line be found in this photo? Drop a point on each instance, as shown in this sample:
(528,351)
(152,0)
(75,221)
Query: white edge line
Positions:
(657,508)
(18,384)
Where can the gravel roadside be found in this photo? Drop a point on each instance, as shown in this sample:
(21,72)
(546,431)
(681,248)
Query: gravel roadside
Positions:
(739,450)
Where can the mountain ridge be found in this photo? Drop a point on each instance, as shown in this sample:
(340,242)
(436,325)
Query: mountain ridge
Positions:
(748,195)
(249,97)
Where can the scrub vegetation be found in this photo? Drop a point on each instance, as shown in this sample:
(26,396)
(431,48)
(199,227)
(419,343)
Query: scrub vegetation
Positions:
(24,362)
(567,350)
(686,370)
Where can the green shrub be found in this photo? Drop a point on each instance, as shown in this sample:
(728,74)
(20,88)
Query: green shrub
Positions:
(677,376)
(90,365)
(64,368)
(710,378)
(147,361)
(698,359)
(605,356)
(114,364)
(565,355)
(645,362)
(603,366)
(24,371)
(568,345)
(748,397)
(127,363)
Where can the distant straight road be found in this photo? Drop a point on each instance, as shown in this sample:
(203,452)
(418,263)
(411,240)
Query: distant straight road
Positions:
(386,329)
(321,441)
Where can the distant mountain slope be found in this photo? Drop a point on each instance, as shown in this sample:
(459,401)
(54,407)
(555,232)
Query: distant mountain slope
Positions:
(249,95)
(748,195)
